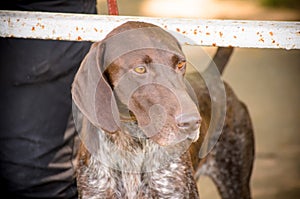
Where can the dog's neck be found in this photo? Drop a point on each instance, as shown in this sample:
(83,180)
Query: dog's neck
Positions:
(127,166)
(131,151)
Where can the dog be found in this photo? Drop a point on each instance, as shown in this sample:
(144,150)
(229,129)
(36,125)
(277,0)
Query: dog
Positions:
(142,128)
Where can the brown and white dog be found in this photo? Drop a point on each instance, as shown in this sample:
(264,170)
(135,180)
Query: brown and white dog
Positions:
(139,122)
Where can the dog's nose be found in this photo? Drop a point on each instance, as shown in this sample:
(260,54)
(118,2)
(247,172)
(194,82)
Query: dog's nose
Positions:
(188,122)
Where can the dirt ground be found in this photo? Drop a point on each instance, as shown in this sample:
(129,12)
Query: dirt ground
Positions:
(267,80)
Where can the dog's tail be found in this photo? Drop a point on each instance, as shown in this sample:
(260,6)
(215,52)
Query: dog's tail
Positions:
(221,58)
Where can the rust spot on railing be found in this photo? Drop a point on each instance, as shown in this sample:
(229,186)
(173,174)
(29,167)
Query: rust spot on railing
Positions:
(40,25)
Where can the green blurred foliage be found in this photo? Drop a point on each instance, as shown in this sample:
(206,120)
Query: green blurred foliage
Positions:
(281,3)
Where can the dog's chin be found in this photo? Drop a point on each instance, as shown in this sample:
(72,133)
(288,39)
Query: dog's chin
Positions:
(164,141)
(194,136)
(175,138)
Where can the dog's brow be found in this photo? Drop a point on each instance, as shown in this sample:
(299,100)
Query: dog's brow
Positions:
(176,59)
(147,59)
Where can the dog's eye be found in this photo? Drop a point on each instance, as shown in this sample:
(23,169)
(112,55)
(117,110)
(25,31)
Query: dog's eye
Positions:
(181,65)
(140,69)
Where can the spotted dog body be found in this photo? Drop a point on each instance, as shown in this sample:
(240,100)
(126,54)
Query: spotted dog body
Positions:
(140,124)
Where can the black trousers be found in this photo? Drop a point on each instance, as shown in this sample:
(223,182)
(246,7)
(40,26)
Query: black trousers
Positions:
(37,136)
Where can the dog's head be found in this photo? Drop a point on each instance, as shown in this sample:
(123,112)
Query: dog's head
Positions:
(137,74)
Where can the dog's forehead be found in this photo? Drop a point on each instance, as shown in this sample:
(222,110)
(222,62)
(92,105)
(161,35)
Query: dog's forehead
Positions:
(124,41)
(137,25)
(150,56)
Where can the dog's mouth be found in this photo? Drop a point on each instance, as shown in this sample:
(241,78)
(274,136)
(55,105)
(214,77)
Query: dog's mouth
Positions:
(165,136)
(159,121)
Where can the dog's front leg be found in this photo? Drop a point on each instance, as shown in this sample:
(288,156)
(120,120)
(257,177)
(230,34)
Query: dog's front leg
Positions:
(96,181)
(175,180)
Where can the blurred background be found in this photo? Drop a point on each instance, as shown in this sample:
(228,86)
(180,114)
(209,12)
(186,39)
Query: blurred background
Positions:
(267,80)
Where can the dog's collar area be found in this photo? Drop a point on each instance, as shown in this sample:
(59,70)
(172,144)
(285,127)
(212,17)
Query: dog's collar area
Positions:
(128,118)
(131,128)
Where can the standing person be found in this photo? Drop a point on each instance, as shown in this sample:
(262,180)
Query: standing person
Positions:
(37,134)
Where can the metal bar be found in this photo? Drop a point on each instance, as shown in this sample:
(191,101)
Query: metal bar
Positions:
(82,27)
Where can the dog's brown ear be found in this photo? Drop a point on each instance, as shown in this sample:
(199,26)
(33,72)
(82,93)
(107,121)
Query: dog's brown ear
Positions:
(92,94)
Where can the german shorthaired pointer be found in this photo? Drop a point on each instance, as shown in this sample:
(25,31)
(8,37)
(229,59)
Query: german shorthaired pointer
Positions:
(139,122)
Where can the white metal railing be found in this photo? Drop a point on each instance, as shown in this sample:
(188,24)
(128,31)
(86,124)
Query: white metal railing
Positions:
(83,27)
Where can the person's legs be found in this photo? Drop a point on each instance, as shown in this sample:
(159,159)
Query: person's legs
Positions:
(37,134)
(35,153)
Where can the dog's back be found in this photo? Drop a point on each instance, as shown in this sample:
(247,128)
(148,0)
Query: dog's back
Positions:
(229,164)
